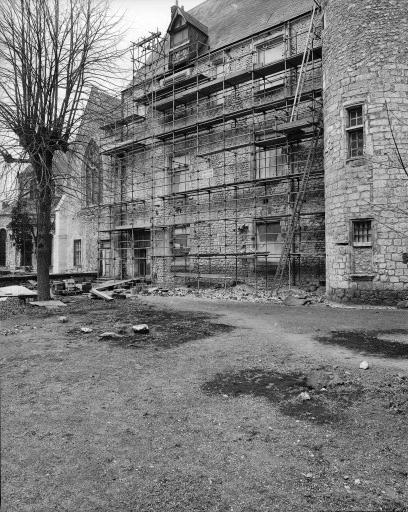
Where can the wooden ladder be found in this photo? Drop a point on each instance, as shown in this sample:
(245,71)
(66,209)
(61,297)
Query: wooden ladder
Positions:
(318,129)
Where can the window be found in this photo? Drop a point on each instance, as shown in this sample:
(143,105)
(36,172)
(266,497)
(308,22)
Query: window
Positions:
(77,253)
(180,248)
(272,83)
(180,240)
(269,238)
(271,51)
(362,233)
(119,178)
(179,37)
(179,168)
(140,109)
(355,132)
(93,174)
(3,247)
(271,162)
(220,69)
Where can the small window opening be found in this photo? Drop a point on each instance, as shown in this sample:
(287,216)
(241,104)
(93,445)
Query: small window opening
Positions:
(362,232)
(77,253)
(355,132)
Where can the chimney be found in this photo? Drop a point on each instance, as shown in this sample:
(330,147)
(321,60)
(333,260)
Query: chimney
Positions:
(174,9)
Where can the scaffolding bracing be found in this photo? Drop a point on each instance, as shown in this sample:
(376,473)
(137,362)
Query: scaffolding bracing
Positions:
(215,164)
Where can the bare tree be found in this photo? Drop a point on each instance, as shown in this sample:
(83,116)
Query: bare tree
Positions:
(51,53)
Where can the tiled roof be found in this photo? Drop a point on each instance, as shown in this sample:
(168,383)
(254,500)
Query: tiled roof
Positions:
(192,20)
(231,20)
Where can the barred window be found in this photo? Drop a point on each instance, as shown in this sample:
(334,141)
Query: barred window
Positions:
(355,132)
(362,232)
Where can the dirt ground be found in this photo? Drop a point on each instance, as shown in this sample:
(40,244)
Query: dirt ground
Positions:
(223,406)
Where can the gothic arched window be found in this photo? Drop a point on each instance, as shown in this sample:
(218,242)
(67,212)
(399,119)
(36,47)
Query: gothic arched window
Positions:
(93,174)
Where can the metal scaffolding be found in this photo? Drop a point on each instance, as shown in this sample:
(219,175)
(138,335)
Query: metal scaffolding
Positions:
(207,163)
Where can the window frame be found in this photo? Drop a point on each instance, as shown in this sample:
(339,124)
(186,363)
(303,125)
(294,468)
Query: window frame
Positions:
(180,254)
(268,245)
(261,48)
(355,130)
(77,244)
(265,156)
(182,169)
(175,33)
(369,235)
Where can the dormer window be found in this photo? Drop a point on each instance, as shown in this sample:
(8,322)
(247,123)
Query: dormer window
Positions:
(183,30)
(179,37)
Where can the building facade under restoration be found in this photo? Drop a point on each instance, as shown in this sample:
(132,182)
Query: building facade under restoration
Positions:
(261,142)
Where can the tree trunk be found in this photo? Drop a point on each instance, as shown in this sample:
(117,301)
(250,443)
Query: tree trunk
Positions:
(44,232)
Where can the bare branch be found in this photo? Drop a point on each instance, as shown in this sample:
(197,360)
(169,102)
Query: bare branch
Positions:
(52,54)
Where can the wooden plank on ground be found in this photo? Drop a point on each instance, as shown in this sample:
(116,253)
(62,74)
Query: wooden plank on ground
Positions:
(48,304)
(113,284)
(101,295)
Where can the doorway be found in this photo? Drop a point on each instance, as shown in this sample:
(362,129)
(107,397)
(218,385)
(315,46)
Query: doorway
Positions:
(141,252)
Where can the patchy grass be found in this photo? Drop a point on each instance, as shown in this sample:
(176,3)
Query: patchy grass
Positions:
(388,343)
(203,417)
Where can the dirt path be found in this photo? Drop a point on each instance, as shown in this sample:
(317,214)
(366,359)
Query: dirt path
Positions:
(297,328)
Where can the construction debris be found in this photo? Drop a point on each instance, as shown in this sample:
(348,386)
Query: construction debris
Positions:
(292,300)
(17,291)
(101,295)
(141,329)
(49,304)
(241,293)
(110,285)
(110,335)
(86,330)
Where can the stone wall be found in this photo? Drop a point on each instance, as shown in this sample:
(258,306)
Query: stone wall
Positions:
(365,63)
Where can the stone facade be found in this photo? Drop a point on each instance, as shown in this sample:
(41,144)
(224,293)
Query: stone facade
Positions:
(185,190)
(365,66)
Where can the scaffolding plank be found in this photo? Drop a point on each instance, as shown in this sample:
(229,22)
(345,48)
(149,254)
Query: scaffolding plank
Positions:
(231,79)
(243,183)
(209,122)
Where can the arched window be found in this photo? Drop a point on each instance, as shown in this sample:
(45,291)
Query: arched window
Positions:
(93,174)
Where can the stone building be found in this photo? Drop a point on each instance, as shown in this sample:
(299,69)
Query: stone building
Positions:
(255,137)
(9,259)
(365,66)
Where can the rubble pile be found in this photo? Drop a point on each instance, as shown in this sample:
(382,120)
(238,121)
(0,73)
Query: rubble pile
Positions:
(244,293)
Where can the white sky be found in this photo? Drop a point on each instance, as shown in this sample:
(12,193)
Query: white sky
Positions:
(144,16)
